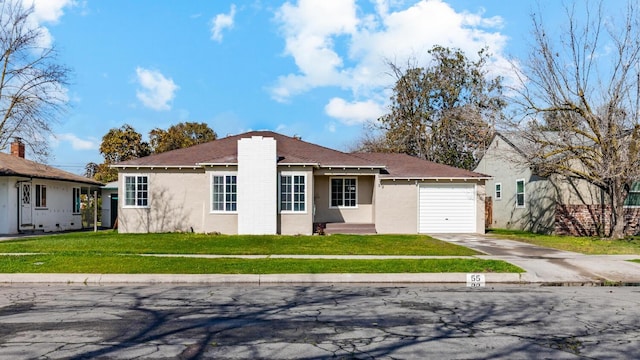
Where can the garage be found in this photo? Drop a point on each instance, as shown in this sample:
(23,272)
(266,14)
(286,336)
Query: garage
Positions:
(447,208)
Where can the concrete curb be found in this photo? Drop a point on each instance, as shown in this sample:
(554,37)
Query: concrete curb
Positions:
(425,278)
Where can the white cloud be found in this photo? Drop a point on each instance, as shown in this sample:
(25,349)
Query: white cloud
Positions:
(157,91)
(351,113)
(76,142)
(336,43)
(50,10)
(45,11)
(221,22)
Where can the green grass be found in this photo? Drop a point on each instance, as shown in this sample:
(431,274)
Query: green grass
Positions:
(110,252)
(131,264)
(584,245)
(110,242)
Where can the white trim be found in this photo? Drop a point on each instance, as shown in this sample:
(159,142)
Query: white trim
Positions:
(524,194)
(306,192)
(124,192)
(331,192)
(224,174)
(495,191)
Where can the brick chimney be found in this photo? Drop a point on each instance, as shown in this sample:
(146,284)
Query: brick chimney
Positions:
(17,148)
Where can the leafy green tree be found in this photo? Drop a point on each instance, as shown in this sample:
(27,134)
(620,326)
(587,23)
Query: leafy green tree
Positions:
(180,136)
(119,144)
(443,112)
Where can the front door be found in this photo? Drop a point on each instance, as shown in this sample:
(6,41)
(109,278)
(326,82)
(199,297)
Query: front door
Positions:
(26,212)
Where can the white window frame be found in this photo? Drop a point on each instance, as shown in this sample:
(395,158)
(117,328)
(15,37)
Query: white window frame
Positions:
(498,193)
(224,176)
(305,203)
(331,206)
(136,192)
(40,196)
(524,193)
(77,200)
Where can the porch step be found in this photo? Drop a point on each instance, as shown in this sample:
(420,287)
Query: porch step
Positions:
(349,228)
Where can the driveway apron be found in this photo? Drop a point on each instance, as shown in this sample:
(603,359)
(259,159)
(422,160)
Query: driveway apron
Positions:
(545,265)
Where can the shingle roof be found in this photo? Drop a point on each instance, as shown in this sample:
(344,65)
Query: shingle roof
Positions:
(295,151)
(11,165)
(225,151)
(406,166)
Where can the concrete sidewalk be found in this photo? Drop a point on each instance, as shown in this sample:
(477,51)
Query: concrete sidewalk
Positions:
(545,265)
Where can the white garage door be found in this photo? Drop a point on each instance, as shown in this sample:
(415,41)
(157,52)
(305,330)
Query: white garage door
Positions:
(447,208)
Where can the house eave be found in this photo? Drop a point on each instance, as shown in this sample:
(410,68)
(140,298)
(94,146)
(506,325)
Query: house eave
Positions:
(153,167)
(437,179)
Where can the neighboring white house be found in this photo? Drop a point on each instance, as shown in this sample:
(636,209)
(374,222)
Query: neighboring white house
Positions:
(267,183)
(37,197)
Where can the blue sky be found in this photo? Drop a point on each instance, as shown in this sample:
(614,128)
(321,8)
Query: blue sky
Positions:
(313,68)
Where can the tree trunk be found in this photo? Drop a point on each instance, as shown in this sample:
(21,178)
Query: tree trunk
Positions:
(617,223)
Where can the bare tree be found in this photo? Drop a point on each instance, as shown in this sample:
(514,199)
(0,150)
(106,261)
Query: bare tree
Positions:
(32,92)
(584,81)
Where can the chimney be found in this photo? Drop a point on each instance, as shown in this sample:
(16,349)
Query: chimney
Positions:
(17,148)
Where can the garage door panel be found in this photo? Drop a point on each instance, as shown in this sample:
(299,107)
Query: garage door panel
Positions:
(447,208)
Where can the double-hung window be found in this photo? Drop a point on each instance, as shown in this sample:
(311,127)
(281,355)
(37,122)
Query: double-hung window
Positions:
(520,199)
(344,192)
(292,193)
(633,199)
(136,190)
(41,196)
(224,193)
(498,191)
(76,200)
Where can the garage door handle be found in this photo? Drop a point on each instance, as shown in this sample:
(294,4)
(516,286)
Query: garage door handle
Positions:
(446,218)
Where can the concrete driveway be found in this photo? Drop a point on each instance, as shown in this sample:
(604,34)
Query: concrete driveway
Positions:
(549,265)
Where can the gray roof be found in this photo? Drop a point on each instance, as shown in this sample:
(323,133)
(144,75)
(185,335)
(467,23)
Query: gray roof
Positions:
(11,165)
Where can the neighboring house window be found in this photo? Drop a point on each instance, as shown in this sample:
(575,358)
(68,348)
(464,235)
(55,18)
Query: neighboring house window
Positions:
(633,199)
(136,191)
(41,196)
(498,191)
(343,192)
(292,193)
(224,189)
(520,193)
(76,200)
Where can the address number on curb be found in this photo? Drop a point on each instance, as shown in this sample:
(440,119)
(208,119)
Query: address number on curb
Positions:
(475,280)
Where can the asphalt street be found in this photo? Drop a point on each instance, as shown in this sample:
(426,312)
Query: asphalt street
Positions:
(232,321)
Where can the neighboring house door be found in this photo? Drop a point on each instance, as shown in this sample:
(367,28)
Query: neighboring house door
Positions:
(447,208)
(114,210)
(26,209)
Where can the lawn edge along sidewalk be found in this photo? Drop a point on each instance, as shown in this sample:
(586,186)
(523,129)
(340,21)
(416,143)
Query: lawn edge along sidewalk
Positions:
(75,279)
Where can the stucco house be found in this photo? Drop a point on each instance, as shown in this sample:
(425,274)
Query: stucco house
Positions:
(519,198)
(38,197)
(263,182)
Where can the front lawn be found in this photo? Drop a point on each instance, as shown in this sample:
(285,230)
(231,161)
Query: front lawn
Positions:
(110,252)
(110,242)
(132,264)
(584,245)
